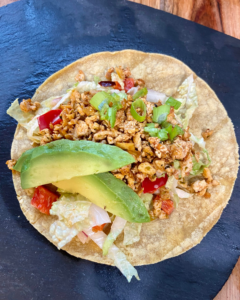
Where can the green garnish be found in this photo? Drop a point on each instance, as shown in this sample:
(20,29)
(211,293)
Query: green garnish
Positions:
(160,113)
(173,102)
(138,104)
(98,98)
(175,132)
(162,134)
(176,164)
(96,79)
(141,93)
(108,105)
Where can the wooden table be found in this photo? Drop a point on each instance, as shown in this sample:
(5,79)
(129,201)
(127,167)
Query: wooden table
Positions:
(221,15)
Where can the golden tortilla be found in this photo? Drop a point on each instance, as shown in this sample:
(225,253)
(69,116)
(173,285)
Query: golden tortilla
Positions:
(195,216)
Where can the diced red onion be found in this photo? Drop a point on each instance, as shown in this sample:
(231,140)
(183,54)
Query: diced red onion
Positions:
(154,96)
(83,237)
(98,216)
(182,194)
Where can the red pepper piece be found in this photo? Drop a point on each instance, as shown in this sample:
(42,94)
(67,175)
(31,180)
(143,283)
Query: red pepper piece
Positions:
(52,116)
(151,186)
(117,86)
(128,84)
(43,199)
(167,206)
(98,227)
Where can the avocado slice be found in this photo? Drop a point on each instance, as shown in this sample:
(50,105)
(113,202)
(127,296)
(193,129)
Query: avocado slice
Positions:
(64,159)
(22,159)
(109,193)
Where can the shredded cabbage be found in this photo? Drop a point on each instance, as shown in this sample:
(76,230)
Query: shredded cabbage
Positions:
(51,102)
(199,141)
(72,209)
(132,233)
(118,257)
(146,198)
(117,227)
(20,116)
(187,95)
(171,185)
(61,234)
(198,166)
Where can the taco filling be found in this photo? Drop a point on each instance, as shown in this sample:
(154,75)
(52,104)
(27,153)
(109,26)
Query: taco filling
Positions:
(109,155)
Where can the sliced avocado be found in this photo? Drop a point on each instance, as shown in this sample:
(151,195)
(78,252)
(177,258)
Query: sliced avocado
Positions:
(22,159)
(109,193)
(64,159)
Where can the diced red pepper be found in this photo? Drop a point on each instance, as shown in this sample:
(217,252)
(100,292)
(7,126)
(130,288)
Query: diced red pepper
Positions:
(167,206)
(151,186)
(98,227)
(117,86)
(52,116)
(43,199)
(128,84)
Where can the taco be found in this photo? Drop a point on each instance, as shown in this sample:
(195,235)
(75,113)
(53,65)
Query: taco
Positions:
(123,158)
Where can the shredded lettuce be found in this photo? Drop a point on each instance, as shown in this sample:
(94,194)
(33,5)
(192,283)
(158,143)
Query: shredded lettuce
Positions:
(61,234)
(132,233)
(96,79)
(199,165)
(187,95)
(20,116)
(200,141)
(171,185)
(147,199)
(117,227)
(118,257)
(72,209)
(51,102)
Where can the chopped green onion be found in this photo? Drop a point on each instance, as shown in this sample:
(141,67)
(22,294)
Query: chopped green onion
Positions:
(173,102)
(98,98)
(112,111)
(167,126)
(176,164)
(141,93)
(138,104)
(176,131)
(162,134)
(96,79)
(150,125)
(160,113)
(152,131)
(104,112)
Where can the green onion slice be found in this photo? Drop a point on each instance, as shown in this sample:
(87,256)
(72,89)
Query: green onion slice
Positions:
(112,111)
(173,102)
(162,134)
(138,104)
(176,131)
(160,113)
(141,93)
(98,98)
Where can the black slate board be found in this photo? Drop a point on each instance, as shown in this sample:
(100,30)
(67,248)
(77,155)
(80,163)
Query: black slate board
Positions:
(39,37)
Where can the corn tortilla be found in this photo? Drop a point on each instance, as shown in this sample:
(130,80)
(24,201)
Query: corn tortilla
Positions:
(195,216)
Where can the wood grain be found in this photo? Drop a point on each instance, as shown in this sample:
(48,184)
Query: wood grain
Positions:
(221,15)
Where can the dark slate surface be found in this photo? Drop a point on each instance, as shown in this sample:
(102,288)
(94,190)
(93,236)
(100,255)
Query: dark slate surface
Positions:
(39,37)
